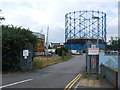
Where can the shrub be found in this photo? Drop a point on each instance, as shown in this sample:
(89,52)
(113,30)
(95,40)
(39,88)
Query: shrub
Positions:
(60,51)
(13,40)
(84,51)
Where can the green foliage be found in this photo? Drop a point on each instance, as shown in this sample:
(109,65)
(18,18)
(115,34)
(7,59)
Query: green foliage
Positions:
(1,17)
(84,51)
(115,45)
(119,45)
(39,62)
(68,56)
(14,39)
(114,42)
(59,51)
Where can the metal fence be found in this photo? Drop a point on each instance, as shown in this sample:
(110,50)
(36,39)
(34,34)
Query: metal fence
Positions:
(108,60)
(111,74)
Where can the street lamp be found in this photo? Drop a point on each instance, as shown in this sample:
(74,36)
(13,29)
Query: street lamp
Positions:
(96,17)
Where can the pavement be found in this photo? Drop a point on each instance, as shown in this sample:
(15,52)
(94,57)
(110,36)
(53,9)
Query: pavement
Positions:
(93,81)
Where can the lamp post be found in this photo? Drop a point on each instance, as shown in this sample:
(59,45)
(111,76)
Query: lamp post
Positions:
(95,17)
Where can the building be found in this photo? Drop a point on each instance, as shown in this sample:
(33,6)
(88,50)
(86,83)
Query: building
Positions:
(40,44)
(56,45)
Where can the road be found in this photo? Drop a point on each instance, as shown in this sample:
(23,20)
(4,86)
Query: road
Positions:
(54,76)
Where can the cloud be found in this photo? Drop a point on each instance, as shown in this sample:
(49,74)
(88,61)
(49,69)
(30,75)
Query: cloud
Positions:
(38,14)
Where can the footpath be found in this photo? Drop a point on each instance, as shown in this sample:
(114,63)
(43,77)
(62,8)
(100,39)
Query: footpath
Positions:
(93,81)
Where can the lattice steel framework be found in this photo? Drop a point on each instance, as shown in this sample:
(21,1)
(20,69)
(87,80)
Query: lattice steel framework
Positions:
(85,25)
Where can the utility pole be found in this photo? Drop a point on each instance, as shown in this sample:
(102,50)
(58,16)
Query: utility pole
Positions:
(47,41)
(41,31)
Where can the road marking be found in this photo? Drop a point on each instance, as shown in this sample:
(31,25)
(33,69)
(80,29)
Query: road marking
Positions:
(77,85)
(71,82)
(74,82)
(16,83)
(68,87)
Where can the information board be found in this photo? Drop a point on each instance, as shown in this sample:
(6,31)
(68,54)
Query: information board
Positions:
(93,51)
(25,53)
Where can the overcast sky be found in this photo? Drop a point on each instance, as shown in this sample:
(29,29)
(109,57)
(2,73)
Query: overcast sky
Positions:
(38,14)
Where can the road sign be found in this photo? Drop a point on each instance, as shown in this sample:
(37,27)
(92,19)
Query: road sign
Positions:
(25,53)
(93,51)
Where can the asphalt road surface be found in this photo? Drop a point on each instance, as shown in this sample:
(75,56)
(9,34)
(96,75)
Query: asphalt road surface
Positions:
(54,76)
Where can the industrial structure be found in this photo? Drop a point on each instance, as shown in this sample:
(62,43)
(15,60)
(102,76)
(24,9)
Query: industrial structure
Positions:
(82,27)
(40,44)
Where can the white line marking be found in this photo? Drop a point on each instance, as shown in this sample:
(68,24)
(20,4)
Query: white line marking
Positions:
(16,83)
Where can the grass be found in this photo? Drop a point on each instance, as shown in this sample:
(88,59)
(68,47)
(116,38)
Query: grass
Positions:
(99,76)
(40,62)
(96,76)
(86,75)
(67,57)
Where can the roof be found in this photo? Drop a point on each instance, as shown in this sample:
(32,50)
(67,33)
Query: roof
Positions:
(39,35)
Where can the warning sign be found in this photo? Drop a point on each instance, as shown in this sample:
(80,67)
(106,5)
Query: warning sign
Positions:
(93,51)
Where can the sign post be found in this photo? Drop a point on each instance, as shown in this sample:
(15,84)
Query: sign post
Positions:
(26,57)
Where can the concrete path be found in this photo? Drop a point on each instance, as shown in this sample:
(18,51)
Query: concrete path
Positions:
(93,81)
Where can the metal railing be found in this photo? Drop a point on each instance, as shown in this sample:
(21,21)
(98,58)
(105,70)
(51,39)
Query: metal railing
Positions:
(110,74)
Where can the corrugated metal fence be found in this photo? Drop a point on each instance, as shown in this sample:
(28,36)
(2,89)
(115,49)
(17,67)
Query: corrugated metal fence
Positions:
(111,74)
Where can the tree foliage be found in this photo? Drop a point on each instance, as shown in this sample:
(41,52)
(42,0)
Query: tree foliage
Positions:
(59,51)
(14,39)
(114,42)
(1,17)
(115,45)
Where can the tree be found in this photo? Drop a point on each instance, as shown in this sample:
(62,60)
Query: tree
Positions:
(114,42)
(13,40)
(115,45)
(59,51)
(1,17)
(119,45)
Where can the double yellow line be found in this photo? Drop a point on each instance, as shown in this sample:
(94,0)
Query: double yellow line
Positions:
(69,86)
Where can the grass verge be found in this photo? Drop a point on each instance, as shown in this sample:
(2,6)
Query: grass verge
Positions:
(39,62)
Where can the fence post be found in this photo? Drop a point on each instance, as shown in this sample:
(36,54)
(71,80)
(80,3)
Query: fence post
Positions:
(116,79)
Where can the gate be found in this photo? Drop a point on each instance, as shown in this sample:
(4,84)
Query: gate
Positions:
(92,60)
(94,64)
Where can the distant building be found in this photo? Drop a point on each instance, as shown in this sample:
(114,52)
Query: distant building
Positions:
(41,40)
(56,45)
(53,44)
(51,51)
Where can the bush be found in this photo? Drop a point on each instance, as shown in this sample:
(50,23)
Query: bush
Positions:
(84,51)
(60,51)
(14,39)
